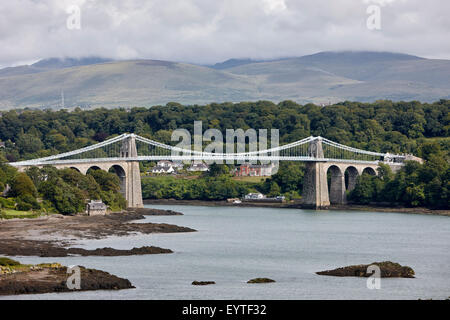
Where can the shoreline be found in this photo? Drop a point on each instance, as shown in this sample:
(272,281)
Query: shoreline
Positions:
(57,235)
(296,205)
(54,236)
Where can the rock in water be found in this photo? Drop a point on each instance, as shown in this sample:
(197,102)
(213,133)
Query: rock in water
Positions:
(388,270)
(202,283)
(46,278)
(260,280)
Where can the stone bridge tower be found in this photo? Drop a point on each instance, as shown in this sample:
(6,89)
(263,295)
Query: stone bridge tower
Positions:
(315,185)
(131,182)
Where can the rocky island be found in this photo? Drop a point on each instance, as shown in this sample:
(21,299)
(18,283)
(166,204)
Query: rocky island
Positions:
(17,278)
(388,270)
(260,280)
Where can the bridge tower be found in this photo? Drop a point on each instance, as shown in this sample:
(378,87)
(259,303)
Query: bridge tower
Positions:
(315,185)
(132,183)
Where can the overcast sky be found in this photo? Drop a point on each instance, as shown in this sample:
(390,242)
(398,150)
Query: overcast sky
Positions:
(210,31)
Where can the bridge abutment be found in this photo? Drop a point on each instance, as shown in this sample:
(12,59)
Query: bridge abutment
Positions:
(337,185)
(133,193)
(315,187)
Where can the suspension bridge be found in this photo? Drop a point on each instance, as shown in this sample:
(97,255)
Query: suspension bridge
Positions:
(123,153)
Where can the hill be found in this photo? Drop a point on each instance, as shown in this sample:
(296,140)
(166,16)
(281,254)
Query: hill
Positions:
(320,78)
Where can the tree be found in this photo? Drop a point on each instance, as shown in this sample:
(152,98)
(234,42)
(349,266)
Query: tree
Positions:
(65,198)
(107,181)
(274,190)
(216,170)
(364,190)
(22,185)
(28,143)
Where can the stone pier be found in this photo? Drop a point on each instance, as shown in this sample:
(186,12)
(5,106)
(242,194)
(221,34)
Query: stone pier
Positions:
(316,193)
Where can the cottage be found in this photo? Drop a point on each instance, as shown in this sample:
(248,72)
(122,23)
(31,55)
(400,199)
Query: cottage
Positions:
(254,196)
(160,169)
(198,166)
(253,170)
(164,164)
(95,208)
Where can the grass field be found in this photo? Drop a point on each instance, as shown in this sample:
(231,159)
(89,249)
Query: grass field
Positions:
(11,213)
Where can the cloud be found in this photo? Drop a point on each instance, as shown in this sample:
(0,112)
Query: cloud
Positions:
(274,6)
(204,31)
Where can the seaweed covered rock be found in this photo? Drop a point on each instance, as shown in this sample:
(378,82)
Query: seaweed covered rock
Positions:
(260,280)
(202,283)
(46,278)
(388,269)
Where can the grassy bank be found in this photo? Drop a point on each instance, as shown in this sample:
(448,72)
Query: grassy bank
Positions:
(11,214)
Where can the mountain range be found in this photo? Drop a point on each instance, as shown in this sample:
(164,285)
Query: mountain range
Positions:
(325,77)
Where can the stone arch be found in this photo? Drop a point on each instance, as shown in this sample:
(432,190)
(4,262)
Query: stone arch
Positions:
(351,176)
(75,168)
(121,173)
(93,168)
(369,170)
(337,185)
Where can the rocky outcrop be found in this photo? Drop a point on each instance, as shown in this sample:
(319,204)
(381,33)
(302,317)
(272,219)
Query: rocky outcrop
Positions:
(388,269)
(155,212)
(260,280)
(13,247)
(47,278)
(202,283)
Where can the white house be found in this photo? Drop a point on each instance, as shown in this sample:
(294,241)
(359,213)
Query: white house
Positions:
(159,169)
(198,166)
(254,196)
(164,164)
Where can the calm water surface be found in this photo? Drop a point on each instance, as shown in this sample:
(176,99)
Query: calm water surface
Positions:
(233,245)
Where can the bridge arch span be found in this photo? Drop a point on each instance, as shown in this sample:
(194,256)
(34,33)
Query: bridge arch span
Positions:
(351,175)
(337,185)
(91,168)
(369,170)
(121,173)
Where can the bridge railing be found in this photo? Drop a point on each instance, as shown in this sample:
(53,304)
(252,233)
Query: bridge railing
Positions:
(150,150)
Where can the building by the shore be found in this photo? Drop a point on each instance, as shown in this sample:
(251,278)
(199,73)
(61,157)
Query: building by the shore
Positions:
(166,167)
(96,208)
(254,196)
(198,166)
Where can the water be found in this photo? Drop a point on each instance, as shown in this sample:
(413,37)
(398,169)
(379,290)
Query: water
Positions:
(234,244)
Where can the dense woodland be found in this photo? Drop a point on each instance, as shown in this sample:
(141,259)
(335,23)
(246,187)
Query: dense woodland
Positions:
(401,127)
(60,191)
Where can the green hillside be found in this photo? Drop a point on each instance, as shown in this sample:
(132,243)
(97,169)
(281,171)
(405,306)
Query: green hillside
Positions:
(321,78)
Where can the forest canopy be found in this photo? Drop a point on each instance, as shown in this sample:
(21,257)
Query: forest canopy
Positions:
(384,126)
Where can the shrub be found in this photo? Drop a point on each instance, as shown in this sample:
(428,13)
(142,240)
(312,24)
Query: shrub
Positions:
(8,262)
(23,206)
(8,203)
(22,184)
(29,199)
